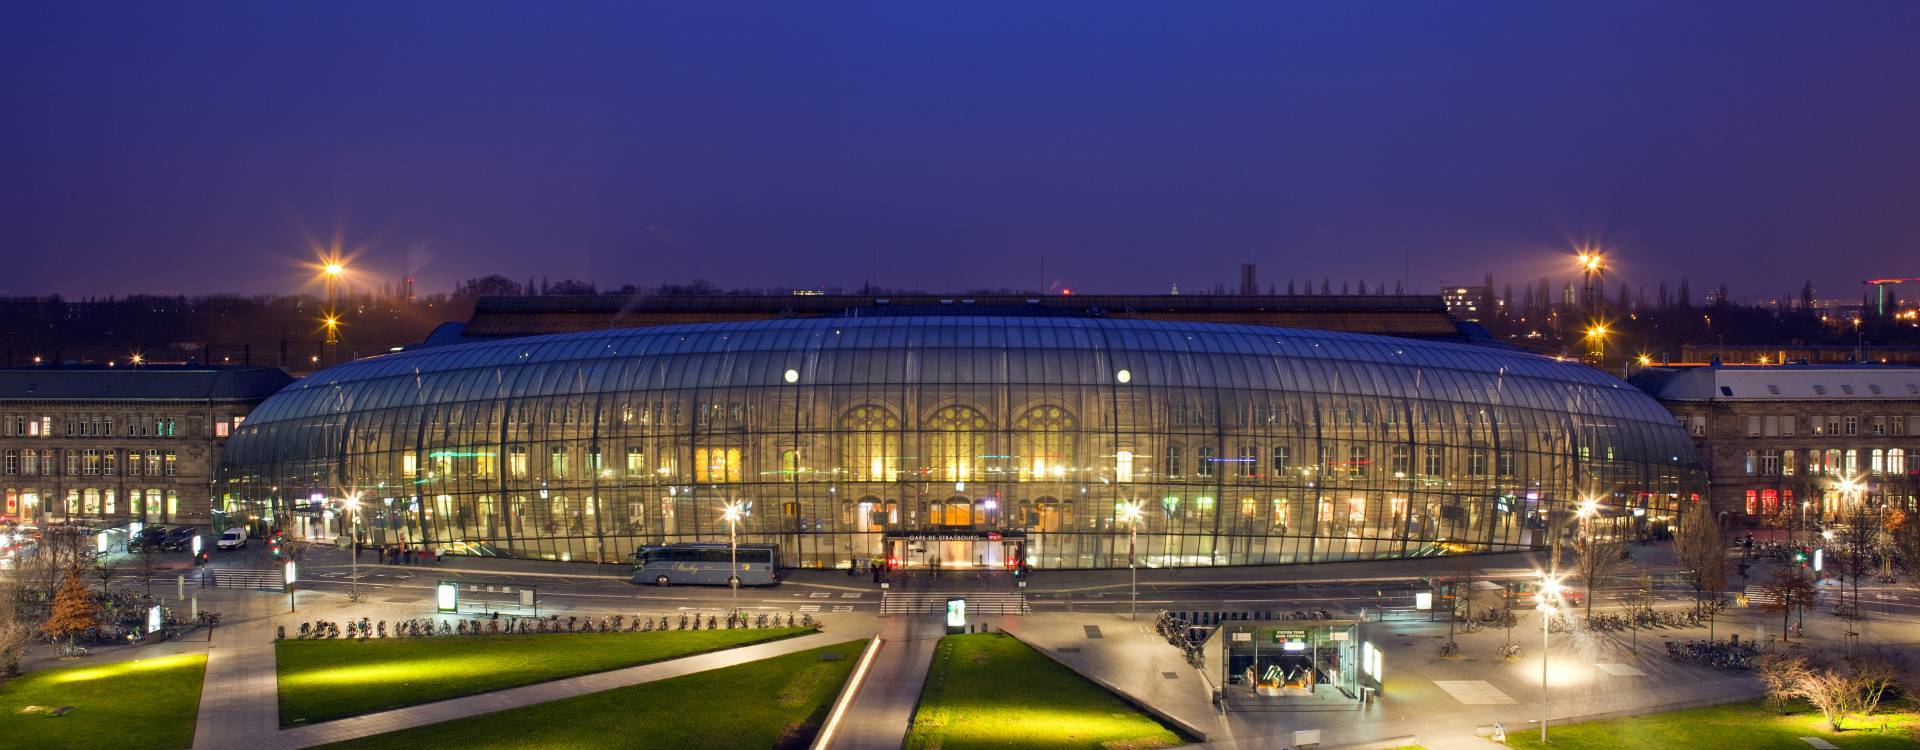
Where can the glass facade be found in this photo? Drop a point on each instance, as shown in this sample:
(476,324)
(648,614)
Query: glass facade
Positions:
(907,435)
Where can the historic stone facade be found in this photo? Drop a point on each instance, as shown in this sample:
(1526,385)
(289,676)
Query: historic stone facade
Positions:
(1793,445)
(106,445)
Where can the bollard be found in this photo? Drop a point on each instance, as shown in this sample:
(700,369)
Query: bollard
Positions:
(180,587)
(196,608)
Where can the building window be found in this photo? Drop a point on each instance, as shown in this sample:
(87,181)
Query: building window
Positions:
(1753,502)
(1045,440)
(1435,459)
(1770,462)
(636,462)
(1175,461)
(1833,426)
(90,462)
(1852,462)
(557,462)
(1282,459)
(1123,466)
(1896,461)
(1898,424)
(517,462)
(1879,425)
(134,464)
(171,464)
(220,428)
(1752,464)
(409,464)
(869,444)
(1753,426)
(1787,459)
(1476,462)
(13,461)
(716,465)
(1359,458)
(956,440)
(1503,462)
(1853,426)
(110,462)
(1249,462)
(1203,464)
(1399,459)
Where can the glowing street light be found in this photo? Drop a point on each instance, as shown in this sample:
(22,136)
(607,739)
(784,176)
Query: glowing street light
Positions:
(730,512)
(333,269)
(1547,600)
(332,324)
(1130,515)
(353,534)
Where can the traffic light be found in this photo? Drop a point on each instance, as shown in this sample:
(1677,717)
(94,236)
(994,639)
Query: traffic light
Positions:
(273,546)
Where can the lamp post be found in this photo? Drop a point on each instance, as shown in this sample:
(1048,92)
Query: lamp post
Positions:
(353,539)
(1549,592)
(731,514)
(1130,514)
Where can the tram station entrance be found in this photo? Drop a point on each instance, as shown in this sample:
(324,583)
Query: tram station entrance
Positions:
(1290,664)
(955,550)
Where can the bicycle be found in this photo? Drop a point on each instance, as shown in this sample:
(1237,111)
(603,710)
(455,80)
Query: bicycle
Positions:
(1449,649)
(1510,652)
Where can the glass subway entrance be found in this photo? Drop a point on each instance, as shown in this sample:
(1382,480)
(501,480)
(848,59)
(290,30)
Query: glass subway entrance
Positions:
(1286,664)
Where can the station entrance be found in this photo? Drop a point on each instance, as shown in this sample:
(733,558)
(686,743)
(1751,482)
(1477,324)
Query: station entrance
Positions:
(955,550)
(1293,664)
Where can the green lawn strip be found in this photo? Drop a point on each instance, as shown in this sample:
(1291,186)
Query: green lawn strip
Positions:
(771,703)
(140,703)
(990,690)
(332,679)
(1733,726)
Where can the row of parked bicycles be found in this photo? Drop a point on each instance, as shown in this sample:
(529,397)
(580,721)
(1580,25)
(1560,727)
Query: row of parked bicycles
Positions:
(1716,654)
(1183,635)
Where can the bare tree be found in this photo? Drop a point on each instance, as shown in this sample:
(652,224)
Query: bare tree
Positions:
(1596,560)
(147,562)
(1639,604)
(1787,591)
(1782,673)
(1701,549)
(1905,532)
(17,627)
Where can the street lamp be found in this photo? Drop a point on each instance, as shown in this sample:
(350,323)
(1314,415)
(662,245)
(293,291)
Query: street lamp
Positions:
(353,538)
(1130,515)
(731,514)
(1549,594)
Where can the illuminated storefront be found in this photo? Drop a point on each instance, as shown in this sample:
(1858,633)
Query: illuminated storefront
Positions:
(962,440)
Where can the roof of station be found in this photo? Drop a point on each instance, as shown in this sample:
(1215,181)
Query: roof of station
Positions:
(1780,383)
(1034,351)
(141,383)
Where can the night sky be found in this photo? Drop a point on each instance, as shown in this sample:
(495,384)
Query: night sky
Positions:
(200,147)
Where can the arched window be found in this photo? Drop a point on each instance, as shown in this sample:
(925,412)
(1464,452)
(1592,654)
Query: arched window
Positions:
(1045,435)
(958,512)
(870,444)
(956,438)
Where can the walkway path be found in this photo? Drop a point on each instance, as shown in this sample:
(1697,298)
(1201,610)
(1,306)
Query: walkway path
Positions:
(880,713)
(239,700)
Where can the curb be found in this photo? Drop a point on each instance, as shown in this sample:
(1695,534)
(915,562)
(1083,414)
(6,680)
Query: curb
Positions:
(1199,734)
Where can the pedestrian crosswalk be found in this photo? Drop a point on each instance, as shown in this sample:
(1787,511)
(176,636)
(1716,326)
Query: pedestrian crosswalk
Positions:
(1475,692)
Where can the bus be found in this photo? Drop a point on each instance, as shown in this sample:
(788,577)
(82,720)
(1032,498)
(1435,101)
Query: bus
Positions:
(704,564)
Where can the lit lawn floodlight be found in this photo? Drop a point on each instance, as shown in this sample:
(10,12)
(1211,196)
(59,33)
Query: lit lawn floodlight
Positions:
(446,596)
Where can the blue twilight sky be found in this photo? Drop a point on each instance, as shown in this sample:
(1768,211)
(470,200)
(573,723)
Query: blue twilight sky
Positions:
(199,146)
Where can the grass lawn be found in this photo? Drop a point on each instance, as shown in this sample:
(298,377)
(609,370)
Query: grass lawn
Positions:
(143,704)
(1732,726)
(771,703)
(333,679)
(989,690)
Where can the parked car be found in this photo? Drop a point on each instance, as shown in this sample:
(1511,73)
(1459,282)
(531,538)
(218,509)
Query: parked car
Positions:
(178,539)
(150,536)
(233,538)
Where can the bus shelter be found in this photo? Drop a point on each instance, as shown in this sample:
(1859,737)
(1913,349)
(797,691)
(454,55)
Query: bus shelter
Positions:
(1291,664)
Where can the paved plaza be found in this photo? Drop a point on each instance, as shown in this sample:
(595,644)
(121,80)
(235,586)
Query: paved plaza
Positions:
(1081,620)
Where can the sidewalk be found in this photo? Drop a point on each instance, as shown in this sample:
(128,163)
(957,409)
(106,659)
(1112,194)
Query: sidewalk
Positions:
(880,713)
(239,700)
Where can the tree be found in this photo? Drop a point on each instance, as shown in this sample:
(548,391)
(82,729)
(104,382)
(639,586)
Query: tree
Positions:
(74,608)
(1595,560)
(147,561)
(16,631)
(1905,529)
(1782,673)
(1701,549)
(488,286)
(1787,590)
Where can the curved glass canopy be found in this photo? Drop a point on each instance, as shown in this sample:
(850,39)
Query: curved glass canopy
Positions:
(960,441)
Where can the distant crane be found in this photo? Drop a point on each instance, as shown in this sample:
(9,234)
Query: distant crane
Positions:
(1880,293)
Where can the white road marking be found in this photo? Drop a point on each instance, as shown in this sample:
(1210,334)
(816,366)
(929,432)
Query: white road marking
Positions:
(1474,692)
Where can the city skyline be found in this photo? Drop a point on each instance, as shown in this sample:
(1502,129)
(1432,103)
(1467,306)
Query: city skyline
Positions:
(954,149)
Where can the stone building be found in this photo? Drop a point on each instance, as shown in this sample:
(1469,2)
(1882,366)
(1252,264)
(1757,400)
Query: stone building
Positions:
(107,445)
(1791,445)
